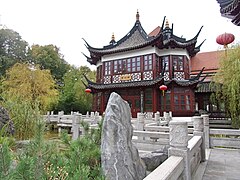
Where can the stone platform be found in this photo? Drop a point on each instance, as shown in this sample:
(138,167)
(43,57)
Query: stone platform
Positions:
(221,164)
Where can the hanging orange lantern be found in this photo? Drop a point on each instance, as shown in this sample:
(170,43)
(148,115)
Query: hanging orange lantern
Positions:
(88,90)
(163,88)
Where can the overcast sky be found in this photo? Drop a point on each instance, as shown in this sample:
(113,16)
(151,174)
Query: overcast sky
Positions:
(65,22)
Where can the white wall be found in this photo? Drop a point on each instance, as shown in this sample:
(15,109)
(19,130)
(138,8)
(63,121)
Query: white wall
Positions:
(143,51)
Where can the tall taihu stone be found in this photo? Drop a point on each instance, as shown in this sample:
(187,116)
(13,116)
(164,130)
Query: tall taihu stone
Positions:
(120,158)
(6,122)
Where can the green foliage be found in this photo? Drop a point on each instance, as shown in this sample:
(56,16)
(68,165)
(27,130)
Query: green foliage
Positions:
(32,159)
(30,84)
(5,137)
(41,159)
(73,96)
(12,45)
(12,49)
(82,156)
(49,57)
(23,115)
(25,92)
(82,159)
(227,82)
(5,160)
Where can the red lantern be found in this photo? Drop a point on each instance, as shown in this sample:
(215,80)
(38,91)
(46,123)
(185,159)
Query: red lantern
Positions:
(88,90)
(225,39)
(163,88)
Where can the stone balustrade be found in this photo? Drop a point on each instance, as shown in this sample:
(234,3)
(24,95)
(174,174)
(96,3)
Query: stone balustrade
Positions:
(72,121)
(184,155)
(187,145)
(172,168)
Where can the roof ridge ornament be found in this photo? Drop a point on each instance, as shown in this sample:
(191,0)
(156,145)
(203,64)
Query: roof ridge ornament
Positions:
(113,37)
(137,16)
(167,24)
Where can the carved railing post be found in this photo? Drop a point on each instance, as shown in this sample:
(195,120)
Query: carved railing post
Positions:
(166,117)
(76,126)
(170,115)
(87,114)
(92,115)
(140,123)
(157,116)
(206,129)
(48,117)
(96,118)
(178,135)
(60,114)
(198,131)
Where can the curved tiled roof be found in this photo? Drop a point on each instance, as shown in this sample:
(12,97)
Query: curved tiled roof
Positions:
(183,82)
(99,86)
(137,38)
(205,87)
(231,10)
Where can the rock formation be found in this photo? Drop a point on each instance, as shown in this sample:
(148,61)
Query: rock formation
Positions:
(6,122)
(154,159)
(120,158)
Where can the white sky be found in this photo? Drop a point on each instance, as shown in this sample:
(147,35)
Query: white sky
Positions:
(65,22)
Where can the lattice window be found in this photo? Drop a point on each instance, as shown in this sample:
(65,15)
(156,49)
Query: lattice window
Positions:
(179,75)
(178,63)
(116,79)
(107,68)
(99,73)
(107,79)
(166,76)
(165,60)
(182,99)
(148,75)
(136,77)
(133,64)
(148,99)
(147,62)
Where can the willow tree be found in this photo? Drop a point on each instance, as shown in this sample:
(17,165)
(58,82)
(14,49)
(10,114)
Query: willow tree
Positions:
(30,84)
(27,91)
(228,83)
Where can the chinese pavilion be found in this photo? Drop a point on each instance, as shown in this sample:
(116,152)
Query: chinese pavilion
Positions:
(139,63)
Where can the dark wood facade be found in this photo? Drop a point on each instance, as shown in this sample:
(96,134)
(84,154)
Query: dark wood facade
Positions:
(205,90)
(137,64)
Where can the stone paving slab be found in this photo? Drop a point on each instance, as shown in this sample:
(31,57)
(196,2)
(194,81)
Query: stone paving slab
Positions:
(223,164)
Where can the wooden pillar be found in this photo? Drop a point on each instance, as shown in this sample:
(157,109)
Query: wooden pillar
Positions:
(102,102)
(142,100)
(154,96)
(170,66)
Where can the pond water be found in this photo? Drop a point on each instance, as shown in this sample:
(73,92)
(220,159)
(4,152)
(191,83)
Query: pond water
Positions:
(50,135)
